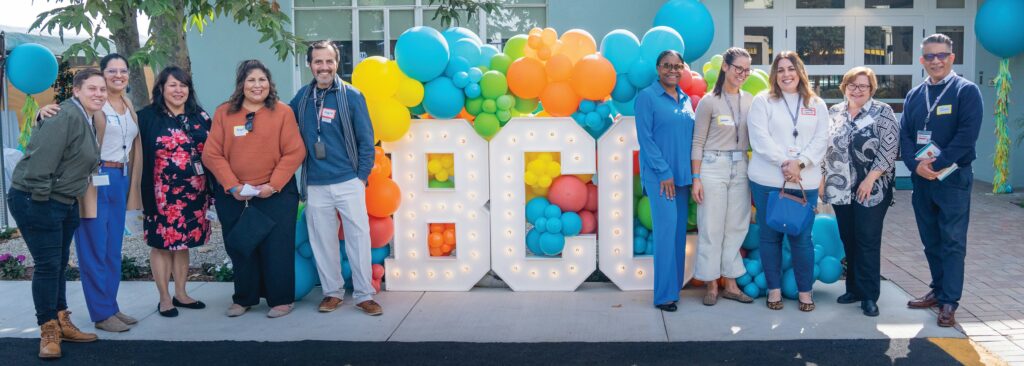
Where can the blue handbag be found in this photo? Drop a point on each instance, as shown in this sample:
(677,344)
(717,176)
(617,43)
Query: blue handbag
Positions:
(787,213)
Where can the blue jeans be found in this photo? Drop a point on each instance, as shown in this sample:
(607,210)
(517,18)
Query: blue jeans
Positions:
(771,242)
(47,228)
(942,209)
(98,244)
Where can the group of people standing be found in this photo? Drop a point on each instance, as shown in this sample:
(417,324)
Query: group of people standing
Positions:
(845,155)
(94,157)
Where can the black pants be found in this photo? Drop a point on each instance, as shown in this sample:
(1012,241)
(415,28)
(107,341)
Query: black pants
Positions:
(47,228)
(942,209)
(269,271)
(860,228)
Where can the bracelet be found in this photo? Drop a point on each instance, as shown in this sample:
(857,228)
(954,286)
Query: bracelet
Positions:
(696,176)
(232,189)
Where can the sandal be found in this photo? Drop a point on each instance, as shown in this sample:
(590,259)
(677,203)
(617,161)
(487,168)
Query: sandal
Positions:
(806,307)
(774,305)
(738,296)
(710,299)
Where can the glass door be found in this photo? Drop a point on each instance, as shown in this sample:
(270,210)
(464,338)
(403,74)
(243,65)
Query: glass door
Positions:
(827,47)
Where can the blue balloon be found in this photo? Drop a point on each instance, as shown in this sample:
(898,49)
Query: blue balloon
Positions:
(305,250)
(475,74)
(692,20)
(754,267)
(473,89)
(346,274)
(535,208)
(551,244)
(468,50)
(460,79)
(760,281)
(752,290)
(745,279)
(641,230)
(994,24)
(417,110)
(31,68)
(754,254)
(587,106)
(650,246)
(621,48)
(639,245)
(642,74)
(301,231)
(341,246)
(789,289)
(572,224)
(442,99)
(454,34)
(456,65)
(659,39)
(541,224)
(377,255)
(552,212)
(831,269)
(305,277)
(533,242)
(593,120)
(817,271)
(753,239)
(625,108)
(825,232)
(422,53)
(603,110)
(554,225)
(579,118)
(819,253)
(486,52)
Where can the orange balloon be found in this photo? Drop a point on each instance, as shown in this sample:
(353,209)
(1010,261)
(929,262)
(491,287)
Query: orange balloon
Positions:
(449,237)
(449,226)
(593,77)
(436,228)
(446,249)
(544,53)
(559,99)
(534,41)
(577,43)
(535,31)
(436,252)
(381,163)
(382,197)
(435,240)
(526,78)
(559,68)
(548,36)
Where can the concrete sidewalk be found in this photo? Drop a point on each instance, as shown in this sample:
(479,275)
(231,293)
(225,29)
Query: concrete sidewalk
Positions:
(598,312)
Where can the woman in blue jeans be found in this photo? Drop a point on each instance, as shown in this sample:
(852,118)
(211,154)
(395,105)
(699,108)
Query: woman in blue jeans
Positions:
(788,135)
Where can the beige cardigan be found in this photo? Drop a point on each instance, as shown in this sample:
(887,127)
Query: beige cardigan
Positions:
(87,203)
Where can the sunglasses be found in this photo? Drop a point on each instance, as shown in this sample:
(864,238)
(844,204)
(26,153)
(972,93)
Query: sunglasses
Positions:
(248,120)
(941,56)
(668,66)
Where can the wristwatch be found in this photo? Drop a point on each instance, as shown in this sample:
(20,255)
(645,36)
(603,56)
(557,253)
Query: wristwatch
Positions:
(802,165)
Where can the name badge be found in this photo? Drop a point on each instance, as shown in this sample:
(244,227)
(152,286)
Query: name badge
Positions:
(738,155)
(725,120)
(240,131)
(328,115)
(864,122)
(808,112)
(205,116)
(793,151)
(944,109)
(100,180)
(924,137)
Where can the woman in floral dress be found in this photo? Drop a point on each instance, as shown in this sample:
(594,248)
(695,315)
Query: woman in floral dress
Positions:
(175,194)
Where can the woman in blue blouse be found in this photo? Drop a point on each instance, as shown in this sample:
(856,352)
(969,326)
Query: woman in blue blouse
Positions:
(664,127)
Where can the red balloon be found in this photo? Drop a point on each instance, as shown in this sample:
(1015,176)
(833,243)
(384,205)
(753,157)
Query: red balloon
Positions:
(376,285)
(685,79)
(382,230)
(697,85)
(568,193)
(636,162)
(589,222)
(378,272)
(591,204)
(694,100)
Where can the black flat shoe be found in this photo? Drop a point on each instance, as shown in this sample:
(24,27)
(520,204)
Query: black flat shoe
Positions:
(670,307)
(869,307)
(170,313)
(847,298)
(192,305)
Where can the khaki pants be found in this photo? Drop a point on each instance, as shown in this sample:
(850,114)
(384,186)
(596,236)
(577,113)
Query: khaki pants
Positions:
(724,217)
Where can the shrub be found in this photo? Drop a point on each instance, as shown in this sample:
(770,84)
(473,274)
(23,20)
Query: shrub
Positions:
(12,267)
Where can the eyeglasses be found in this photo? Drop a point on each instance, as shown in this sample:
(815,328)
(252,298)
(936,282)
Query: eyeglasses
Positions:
(248,120)
(858,87)
(116,71)
(668,66)
(941,56)
(739,70)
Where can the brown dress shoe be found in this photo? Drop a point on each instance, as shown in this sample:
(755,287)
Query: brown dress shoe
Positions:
(329,304)
(924,302)
(947,316)
(370,307)
(69,332)
(49,339)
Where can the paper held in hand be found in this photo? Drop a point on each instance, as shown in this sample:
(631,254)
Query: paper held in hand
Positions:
(249,191)
(931,151)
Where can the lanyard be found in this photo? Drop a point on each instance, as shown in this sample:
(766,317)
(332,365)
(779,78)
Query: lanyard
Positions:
(737,117)
(794,115)
(319,109)
(124,134)
(931,106)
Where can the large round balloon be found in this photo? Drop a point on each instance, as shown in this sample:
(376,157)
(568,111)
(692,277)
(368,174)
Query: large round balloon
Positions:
(643,73)
(305,277)
(493,85)
(527,78)
(624,90)
(442,98)
(31,68)
(467,49)
(568,193)
(410,92)
(382,229)
(559,99)
(515,47)
(577,43)
(996,26)
(693,22)
(621,48)
(659,39)
(559,68)
(382,197)
(593,77)
(454,34)
(389,117)
(377,78)
(422,53)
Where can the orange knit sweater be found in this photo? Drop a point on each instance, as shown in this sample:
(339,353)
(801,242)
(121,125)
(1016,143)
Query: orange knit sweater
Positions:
(270,154)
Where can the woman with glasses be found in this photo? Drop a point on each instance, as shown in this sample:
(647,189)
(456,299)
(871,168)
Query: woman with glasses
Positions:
(102,209)
(859,172)
(254,150)
(788,135)
(176,192)
(720,186)
(664,128)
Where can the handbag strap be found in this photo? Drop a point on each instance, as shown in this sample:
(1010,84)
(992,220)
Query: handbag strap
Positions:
(782,192)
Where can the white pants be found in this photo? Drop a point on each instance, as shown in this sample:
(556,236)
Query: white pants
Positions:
(322,207)
(724,217)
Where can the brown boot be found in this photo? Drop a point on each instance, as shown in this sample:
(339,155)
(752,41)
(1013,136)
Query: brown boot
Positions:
(49,340)
(69,332)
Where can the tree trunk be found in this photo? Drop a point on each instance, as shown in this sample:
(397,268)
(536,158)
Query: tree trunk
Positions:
(172,32)
(127,42)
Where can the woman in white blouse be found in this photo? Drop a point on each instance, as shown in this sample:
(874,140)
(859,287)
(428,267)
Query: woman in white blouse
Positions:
(788,135)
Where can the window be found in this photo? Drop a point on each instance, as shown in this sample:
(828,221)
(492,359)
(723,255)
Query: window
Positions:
(893,89)
(758,42)
(950,4)
(384,2)
(371,34)
(956,33)
(758,4)
(889,4)
(400,21)
(885,45)
(827,87)
(472,24)
(508,22)
(821,45)
(820,4)
(335,25)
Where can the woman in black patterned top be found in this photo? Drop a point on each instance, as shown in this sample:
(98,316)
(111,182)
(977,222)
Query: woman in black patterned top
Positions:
(858,181)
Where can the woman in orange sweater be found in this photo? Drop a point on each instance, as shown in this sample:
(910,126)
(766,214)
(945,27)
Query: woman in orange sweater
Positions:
(254,149)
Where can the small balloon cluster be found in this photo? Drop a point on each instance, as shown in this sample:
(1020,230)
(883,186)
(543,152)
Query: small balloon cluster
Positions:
(643,239)
(550,227)
(441,169)
(441,240)
(594,117)
(541,171)
(828,251)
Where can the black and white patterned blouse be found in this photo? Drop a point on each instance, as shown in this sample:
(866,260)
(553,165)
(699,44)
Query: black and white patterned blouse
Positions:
(857,146)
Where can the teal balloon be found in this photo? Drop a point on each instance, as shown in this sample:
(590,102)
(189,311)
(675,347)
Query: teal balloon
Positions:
(460,79)
(442,99)
(641,230)
(472,90)
(997,27)
(500,63)
(467,49)
(752,290)
(760,281)
(456,65)
(535,208)
(454,34)
(554,225)
(592,120)
(644,212)
(486,125)
(417,110)
(624,91)
(436,184)
(621,48)
(624,108)
(377,255)
(305,277)
(341,245)
(692,20)
(422,53)
(487,53)
(789,289)
(650,246)
(541,224)
(817,271)
(475,106)
(603,109)
(493,84)
(579,117)
(490,106)
(658,39)
(301,231)
(639,244)
(475,74)
(754,267)
(819,253)
(552,212)
(754,255)
(587,106)
(551,244)
(642,74)
(305,250)
(505,102)
(787,260)
(745,279)
(831,270)
(753,239)
(31,68)
(533,242)
(826,233)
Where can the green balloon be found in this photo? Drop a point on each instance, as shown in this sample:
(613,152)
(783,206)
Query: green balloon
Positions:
(504,116)
(716,61)
(483,69)
(644,212)
(691,220)
(434,183)
(636,205)
(515,47)
(490,106)
(474,106)
(763,74)
(493,85)
(526,105)
(500,62)
(505,102)
(638,189)
(755,84)
(417,110)
(486,125)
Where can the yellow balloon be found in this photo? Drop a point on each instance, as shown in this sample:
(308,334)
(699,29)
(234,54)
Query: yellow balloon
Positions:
(376,78)
(433,166)
(410,92)
(554,169)
(540,191)
(544,181)
(442,176)
(545,157)
(389,117)
(529,178)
